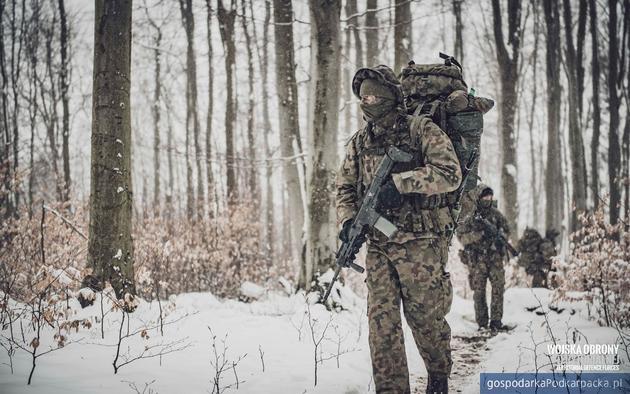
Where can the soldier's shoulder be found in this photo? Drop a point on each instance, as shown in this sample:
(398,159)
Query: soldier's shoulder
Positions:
(423,127)
(356,137)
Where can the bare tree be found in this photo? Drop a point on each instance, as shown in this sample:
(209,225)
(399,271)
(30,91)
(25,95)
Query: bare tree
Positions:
(155,108)
(251,140)
(614,101)
(371,34)
(554,189)
(459,31)
(402,34)
(325,49)
(64,84)
(508,70)
(575,74)
(290,145)
(263,59)
(226,26)
(192,115)
(110,246)
(595,71)
(210,177)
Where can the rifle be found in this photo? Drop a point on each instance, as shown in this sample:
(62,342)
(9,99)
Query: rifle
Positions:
(497,234)
(459,193)
(367,216)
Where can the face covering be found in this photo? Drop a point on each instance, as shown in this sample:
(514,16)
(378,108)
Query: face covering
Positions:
(485,204)
(374,112)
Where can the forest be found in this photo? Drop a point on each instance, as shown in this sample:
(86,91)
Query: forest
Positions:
(154,149)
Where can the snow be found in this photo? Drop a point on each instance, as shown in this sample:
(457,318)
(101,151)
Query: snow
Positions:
(276,327)
(118,254)
(252,290)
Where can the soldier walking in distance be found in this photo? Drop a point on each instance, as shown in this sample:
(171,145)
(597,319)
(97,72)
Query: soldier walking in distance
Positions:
(483,254)
(536,253)
(408,269)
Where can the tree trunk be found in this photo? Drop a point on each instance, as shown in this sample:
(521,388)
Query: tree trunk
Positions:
(459,31)
(226,27)
(110,246)
(252,179)
(625,147)
(286,88)
(402,34)
(192,114)
(323,140)
(64,85)
(268,132)
(32,49)
(614,101)
(156,112)
(212,200)
(576,145)
(371,34)
(595,70)
(5,139)
(532,117)
(554,189)
(508,69)
(17,40)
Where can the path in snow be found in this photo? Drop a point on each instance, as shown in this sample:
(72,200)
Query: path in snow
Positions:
(467,352)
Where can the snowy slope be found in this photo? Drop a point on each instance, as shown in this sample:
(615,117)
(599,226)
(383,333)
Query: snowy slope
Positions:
(278,327)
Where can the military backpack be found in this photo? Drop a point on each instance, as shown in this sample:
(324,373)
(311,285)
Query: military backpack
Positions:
(439,91)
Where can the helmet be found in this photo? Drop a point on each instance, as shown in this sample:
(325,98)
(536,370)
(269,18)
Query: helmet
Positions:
(381,73)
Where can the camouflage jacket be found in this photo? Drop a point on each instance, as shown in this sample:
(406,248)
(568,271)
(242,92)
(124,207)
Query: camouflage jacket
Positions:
(434,171)
(535,251)
(475,239)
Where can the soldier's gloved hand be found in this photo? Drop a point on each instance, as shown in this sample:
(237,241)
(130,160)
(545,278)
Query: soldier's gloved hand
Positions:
(345,230)
(389,197)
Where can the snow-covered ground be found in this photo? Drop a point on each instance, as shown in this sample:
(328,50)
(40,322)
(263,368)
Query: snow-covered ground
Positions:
(275,331)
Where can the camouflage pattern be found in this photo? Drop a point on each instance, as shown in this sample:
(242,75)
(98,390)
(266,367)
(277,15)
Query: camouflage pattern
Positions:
(412,273)
(435,171)
(536,253)
(410,267)
(484,259)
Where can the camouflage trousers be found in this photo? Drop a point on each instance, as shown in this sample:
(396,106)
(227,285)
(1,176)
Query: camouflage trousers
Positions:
(480,269)
(411,273)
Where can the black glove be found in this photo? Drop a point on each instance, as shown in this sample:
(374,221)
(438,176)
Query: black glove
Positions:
(344,237)
(389,196)
(345,230)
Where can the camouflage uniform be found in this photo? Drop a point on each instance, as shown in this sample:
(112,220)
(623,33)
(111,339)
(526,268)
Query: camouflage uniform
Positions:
(535,255)
(484,259)
(410,267)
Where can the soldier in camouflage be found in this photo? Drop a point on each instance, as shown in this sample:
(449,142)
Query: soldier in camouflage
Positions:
(410,267)
(483,255)
(536,253)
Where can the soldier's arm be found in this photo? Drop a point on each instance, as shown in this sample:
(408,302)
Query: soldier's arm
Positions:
(504,225)
(346,184)
(468,234)
(441,172)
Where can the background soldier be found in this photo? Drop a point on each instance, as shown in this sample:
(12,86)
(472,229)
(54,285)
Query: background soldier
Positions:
(483,254)
(536,254)
(410,267)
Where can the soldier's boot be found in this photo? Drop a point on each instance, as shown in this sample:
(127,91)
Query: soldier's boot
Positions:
(496,325)
(438,383)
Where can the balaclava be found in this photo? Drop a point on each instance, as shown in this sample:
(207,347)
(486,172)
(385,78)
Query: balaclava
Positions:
(386,103)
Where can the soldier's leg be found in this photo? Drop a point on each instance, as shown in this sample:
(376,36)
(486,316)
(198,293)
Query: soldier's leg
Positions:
(427,295)
(389,361)
(497,281)
(537,279)
(477,278)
